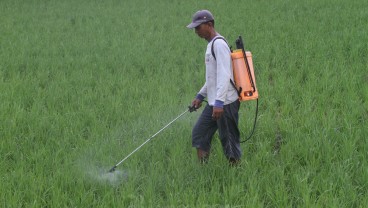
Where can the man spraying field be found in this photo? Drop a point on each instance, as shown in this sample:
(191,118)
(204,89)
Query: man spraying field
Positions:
(221,112)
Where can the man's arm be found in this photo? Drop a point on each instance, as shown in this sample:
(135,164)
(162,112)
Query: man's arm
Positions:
(223,59)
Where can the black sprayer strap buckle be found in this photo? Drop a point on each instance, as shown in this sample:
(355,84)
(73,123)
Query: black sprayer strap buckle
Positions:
(237,90)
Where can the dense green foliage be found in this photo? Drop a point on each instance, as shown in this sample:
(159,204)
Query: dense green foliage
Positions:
(83,83)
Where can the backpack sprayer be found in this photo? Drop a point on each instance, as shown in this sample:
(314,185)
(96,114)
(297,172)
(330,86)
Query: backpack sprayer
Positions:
(244,79)
(244,83)
(243,72)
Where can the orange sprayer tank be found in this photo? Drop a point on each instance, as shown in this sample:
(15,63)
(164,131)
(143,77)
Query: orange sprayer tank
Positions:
(242,77)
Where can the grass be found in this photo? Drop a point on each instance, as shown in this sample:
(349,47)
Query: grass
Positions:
(83,83)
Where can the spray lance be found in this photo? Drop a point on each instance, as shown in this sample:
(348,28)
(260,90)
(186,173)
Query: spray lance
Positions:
(190,109)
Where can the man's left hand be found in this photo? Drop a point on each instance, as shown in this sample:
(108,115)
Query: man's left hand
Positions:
(217,113)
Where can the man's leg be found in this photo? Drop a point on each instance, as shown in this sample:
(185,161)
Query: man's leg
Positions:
(202,155)
(202,134)
(229,132)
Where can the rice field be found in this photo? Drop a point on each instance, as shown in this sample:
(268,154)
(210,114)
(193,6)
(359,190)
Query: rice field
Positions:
(84,83)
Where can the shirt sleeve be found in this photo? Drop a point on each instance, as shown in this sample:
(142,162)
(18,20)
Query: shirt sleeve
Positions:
(223,59)
(203,91)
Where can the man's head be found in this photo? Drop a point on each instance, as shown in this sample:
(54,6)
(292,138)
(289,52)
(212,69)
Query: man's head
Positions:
(200,17)
(204,24)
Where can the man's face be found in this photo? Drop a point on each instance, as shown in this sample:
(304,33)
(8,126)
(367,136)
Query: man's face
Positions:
(202,30)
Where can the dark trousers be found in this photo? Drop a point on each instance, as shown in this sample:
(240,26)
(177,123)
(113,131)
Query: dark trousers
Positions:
(227,125)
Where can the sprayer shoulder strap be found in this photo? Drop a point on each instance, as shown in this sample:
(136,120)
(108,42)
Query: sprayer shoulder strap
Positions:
(214,56)
(213,42)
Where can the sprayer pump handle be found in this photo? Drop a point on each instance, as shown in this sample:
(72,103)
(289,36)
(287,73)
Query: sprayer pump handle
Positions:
(192,108)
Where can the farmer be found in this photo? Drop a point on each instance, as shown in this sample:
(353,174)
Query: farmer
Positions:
(221,112)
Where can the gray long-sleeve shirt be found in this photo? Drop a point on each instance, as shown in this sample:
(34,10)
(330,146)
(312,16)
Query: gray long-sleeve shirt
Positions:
(217,87)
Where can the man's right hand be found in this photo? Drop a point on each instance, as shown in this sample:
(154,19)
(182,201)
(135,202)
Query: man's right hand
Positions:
(196,103)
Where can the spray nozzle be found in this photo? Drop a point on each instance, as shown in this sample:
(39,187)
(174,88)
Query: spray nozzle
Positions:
(112,169)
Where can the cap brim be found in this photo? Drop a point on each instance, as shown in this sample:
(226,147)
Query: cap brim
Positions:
(193,25)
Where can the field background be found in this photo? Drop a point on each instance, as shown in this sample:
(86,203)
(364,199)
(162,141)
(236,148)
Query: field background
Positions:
(83,83)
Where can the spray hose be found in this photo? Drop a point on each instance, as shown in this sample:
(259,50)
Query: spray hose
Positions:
(254,125)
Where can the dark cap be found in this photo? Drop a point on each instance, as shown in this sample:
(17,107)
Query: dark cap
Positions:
(200,17)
